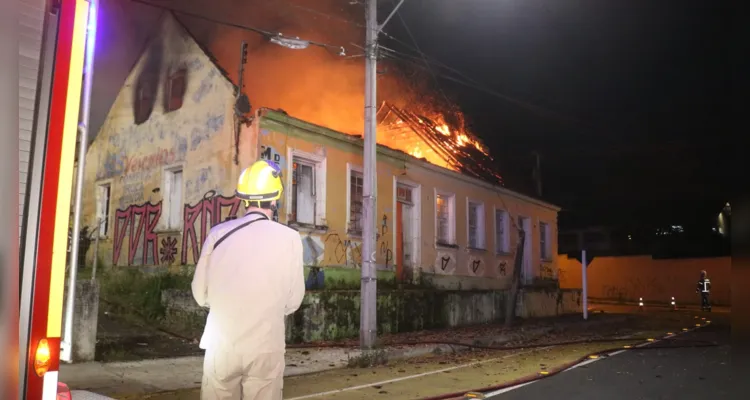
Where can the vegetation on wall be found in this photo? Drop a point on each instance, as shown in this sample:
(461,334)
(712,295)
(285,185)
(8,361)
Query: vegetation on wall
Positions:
(135,292)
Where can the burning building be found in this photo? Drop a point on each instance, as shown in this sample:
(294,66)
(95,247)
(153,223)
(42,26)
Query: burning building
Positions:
(162,170)
(434,141)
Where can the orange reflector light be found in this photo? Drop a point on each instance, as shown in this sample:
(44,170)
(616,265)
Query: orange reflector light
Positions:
(474,395)
(543,373)
(697,324)
(593,356)
(42,358)
(650,340)
(685,329)
(670,333)
(628,346)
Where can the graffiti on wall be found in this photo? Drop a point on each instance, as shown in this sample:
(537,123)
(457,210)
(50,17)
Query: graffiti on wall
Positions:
(123,165)
(137,223)
(546,271)
(312,250)
(135,230)
(475,266)
(344,251)
(268,153)
(445,263)
(384,248)
(502,268)
(198,219)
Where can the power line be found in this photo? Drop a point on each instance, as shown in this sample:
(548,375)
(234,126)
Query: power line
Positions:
(468,81)
(424,59)
(268,34)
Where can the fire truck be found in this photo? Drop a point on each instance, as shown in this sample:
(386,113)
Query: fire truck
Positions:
(56,51)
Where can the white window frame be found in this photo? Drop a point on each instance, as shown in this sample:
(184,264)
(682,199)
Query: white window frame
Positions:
(545,244)
(351,170)
(108,226)
(481,225)
(502,246)
(451,218)
(320,184)
(416,198)
(167,205)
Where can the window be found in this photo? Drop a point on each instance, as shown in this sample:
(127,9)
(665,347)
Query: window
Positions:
(544,242)
(144,100)
(303,192)
(307,188)
(356,201)
(175,90)
(103,201)
(476,225)
(173,203)
(501,228)
(444,219)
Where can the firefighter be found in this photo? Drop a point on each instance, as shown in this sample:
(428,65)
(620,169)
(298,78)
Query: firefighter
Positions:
(704,288)
(249,276)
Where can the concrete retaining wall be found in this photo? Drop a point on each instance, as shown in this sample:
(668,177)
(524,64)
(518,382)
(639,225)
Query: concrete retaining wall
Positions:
(332,315)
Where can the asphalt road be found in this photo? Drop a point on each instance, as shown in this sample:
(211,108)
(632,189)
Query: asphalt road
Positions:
(675,373)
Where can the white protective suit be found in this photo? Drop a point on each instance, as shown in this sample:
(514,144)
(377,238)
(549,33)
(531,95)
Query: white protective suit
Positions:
(250,280)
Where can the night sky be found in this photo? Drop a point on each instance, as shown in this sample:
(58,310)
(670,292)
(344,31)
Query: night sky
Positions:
(627,102)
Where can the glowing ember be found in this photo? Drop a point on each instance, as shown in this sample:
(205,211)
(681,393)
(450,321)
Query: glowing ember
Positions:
(416,152)
(462,139)
(443,129)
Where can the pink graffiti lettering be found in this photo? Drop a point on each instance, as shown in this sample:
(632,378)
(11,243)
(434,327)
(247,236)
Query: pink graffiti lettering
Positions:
(209,210)
(138,222)
(161,157)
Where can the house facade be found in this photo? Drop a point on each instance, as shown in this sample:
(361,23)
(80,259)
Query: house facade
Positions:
(163,169)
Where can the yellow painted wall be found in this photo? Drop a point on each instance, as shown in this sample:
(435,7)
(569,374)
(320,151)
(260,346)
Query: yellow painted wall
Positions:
(133,159)
(279,135)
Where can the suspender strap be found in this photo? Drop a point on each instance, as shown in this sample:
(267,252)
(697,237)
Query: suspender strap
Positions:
(238,227)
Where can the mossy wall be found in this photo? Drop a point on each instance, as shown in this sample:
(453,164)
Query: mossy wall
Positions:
(334,315)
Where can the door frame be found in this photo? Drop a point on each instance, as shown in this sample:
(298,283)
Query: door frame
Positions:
(416,219)
(527,268)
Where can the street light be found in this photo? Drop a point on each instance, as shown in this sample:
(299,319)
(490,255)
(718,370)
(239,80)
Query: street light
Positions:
(290,43)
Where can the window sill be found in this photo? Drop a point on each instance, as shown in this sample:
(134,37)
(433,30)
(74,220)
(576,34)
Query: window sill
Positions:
(354,234)
(476,249)
(547,260)
(310,228)
(503,253)
(446,245)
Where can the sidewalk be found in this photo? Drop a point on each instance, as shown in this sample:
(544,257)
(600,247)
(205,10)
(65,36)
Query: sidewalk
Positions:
(171,374)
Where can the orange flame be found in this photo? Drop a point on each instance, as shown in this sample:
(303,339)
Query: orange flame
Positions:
(443,129)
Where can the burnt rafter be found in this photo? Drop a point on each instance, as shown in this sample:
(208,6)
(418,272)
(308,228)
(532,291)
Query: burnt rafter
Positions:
(462,152)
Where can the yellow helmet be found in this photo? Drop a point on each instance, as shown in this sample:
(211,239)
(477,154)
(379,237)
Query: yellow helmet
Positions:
(260,182)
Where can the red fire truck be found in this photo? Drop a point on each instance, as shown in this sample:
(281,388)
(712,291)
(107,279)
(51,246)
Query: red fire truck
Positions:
(66,30)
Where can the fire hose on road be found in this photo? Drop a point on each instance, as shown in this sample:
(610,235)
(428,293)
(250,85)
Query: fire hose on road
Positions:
(648,344)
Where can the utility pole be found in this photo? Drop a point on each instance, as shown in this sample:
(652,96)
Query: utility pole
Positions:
(368,296)
(538,173)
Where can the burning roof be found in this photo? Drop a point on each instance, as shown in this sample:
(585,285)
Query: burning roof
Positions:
(328,102)
(433,140)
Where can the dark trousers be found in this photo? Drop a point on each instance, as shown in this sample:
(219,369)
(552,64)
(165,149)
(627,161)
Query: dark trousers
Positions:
(704,300)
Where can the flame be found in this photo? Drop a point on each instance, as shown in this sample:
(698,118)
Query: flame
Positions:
(443,129)
(416,152)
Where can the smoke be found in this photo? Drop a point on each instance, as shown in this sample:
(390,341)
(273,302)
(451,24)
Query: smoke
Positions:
(314,84)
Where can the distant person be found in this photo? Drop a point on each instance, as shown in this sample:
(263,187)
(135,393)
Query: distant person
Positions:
(704,288)
(249,276)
